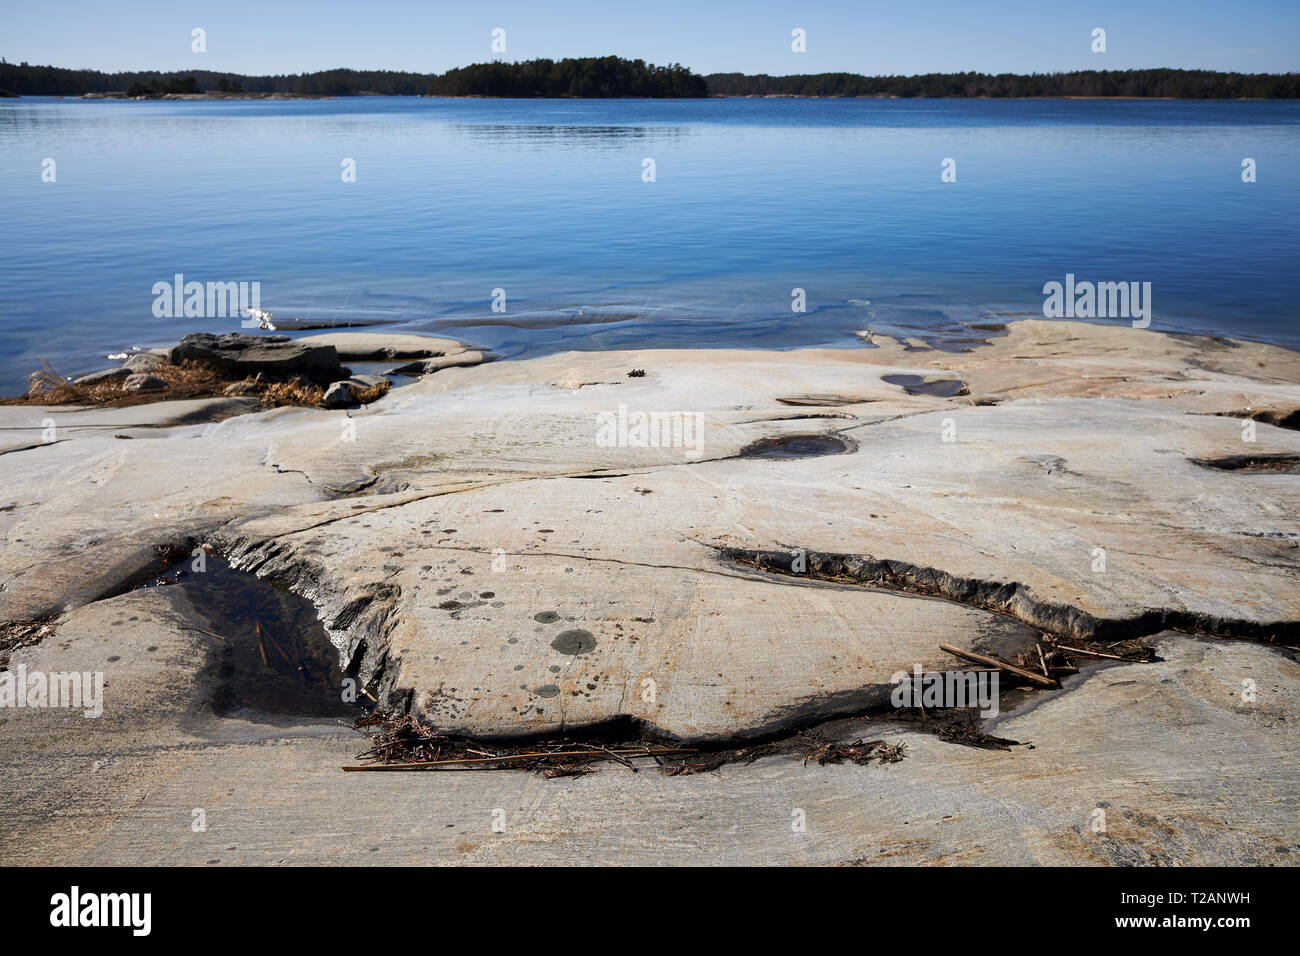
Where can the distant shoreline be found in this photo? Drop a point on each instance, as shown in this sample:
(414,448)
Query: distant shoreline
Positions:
(214,95)
(713,96)
(612,77)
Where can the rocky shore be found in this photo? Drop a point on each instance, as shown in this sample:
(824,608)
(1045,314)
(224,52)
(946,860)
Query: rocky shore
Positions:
(272,369)
(712,546)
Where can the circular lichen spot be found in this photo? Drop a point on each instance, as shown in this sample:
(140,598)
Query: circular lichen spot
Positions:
(546,617)
(576,641)
(548,690)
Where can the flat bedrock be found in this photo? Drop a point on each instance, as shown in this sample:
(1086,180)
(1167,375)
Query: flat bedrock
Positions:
(431,528)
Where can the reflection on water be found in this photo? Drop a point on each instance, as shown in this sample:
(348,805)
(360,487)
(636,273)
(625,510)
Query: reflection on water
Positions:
(271,655)
(566,136)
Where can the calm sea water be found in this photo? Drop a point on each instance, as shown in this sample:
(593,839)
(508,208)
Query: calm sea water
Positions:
(546,200)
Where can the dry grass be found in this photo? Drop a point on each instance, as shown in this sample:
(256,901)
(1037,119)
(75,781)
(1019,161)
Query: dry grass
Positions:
(296,392)
(189,380)
(22,633)
(372,393)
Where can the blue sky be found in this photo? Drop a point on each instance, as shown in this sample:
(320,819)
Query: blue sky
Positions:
(752,36)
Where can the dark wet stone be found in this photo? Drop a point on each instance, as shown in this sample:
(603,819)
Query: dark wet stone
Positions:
(238,356)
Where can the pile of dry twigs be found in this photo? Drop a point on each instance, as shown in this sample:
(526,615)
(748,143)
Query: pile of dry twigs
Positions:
(403,742)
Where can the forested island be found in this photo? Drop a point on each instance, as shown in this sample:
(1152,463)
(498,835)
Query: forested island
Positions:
(610,76)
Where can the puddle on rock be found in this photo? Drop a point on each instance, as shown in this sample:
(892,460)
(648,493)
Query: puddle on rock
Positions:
(939,388)
(796,446)
(1253,464)
(273,656)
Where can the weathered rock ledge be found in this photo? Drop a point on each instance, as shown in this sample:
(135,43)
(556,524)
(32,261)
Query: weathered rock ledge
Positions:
(497,548)
(1075,444)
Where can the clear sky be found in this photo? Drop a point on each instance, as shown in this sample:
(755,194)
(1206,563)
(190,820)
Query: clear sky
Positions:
(751,36)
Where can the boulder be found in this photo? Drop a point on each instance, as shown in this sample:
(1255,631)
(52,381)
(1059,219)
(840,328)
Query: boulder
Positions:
(236,355)
(144,362)
(140,382)
(103,376)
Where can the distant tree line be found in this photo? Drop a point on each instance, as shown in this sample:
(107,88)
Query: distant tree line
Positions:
(1176,84)
(611,76)
(586,77)
(602,76)
(30,80)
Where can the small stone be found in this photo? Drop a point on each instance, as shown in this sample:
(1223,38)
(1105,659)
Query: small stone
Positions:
(338,395)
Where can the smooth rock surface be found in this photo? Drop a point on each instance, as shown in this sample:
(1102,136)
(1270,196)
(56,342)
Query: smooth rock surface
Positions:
(1185,772)
(378,346)
(499,548)
(458,359)
(530,483)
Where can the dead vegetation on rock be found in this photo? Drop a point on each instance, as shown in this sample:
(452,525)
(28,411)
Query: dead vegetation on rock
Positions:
(188,380)
(402,741)
(859,752)
(24,633)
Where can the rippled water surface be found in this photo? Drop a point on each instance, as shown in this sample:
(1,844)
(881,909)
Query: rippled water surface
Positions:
(545,199)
